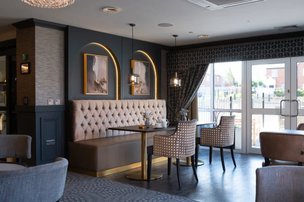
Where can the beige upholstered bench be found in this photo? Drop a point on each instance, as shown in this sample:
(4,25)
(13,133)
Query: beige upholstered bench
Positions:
(97,151)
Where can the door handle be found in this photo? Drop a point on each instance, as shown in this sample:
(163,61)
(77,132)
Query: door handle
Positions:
(281,107)
(297,108)
(50,142)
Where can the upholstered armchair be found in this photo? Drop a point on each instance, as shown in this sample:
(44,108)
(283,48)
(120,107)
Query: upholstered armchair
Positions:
(16,146)
(281,148)
(180,144)
(280,184)
(39,183)
(221,137)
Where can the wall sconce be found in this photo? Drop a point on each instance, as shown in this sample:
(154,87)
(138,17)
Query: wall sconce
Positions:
(175,81)
(25,68)
(133,80)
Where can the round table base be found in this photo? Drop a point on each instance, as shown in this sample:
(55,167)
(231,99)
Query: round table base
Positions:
(137,176)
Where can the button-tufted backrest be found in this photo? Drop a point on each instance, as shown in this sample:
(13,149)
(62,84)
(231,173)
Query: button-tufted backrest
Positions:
(91,118)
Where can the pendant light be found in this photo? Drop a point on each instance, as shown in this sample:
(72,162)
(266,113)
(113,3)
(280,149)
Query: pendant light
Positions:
(133,78)
(175,81)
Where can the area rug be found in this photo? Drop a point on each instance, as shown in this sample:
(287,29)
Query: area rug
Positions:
(92,189)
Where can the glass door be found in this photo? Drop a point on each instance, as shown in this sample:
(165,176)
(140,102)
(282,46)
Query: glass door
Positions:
(267,94)
(297,95)
(275,92)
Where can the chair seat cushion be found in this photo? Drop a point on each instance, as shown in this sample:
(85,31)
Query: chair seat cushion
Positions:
(10,167)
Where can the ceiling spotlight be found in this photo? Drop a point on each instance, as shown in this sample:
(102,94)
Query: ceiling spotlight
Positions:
(110,9)
(165,24)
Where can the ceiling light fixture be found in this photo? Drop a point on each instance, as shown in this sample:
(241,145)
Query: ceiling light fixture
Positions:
(165,24)
(133,78)
(49,3)
(175,81)
(203,36)
(110,9)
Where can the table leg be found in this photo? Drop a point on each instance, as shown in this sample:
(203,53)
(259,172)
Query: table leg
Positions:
(143,174)
(144,155)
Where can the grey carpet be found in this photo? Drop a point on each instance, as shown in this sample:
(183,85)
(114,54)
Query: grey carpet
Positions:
(85,188)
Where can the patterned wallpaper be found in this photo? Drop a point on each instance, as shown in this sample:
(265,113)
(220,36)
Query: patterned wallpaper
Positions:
(277,48)
(182,60)
(45,50)
(49,65)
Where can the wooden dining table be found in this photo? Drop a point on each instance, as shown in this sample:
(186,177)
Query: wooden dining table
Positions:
(142,175)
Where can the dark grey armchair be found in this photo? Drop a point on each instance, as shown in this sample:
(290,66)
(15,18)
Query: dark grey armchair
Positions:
(39,183)
(16,146)
(280,184)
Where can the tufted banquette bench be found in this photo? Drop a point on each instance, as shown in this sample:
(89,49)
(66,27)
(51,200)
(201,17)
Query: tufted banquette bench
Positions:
(97,151)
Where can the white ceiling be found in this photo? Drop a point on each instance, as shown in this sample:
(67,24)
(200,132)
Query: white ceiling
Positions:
(188,19)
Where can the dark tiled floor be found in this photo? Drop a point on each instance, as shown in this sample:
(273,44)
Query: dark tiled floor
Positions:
(236,184)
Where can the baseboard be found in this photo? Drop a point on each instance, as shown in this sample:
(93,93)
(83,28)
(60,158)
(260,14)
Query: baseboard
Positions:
(117,169)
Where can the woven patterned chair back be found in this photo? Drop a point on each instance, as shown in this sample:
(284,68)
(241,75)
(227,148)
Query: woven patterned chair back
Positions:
(178,145)
(185,135)
(222,135)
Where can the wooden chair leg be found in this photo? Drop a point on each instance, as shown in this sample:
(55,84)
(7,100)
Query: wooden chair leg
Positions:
(222,159)
(210,155)
(149,167)
(169,165)
(232,155)
(177,172)
(267,161)
(194,168)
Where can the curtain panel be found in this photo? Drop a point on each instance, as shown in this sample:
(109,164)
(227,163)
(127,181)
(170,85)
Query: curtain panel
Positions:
(181,97)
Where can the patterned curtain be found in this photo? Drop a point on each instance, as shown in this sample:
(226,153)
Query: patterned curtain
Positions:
(180,61)
(181,97)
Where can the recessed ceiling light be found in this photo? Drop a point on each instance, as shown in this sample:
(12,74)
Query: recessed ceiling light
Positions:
(110,9)
(286,28)
(165,24)
(203,36)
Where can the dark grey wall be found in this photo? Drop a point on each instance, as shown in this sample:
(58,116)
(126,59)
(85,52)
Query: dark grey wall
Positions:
(78,41)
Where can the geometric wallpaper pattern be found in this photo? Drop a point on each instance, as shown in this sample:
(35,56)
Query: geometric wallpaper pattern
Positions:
(277,48)
(182,60)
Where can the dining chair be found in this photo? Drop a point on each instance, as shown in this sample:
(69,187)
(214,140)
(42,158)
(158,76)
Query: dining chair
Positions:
(180,144)
(17,147)
(279,148)
(221,137)
(280,184)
